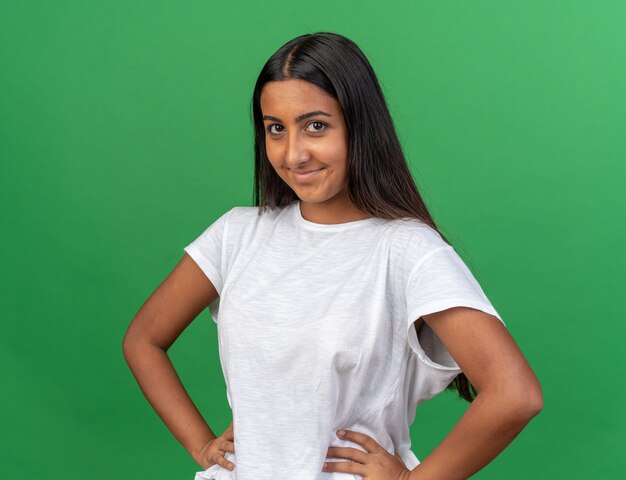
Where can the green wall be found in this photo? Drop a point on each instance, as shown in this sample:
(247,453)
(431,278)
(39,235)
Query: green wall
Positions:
(125,131)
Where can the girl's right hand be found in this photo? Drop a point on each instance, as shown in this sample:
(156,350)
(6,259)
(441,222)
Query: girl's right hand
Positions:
(213,452)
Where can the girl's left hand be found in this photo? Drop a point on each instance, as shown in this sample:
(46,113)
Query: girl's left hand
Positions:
(375,463)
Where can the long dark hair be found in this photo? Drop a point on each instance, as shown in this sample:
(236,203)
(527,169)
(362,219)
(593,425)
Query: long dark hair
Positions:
(379,180)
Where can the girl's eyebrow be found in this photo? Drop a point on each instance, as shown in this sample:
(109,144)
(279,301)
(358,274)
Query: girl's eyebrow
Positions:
(299,117)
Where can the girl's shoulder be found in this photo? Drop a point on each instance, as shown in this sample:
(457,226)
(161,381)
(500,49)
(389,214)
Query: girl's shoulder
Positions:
(411,235)
(246,215)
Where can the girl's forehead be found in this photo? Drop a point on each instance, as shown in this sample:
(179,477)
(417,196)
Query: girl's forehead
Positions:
(296,94)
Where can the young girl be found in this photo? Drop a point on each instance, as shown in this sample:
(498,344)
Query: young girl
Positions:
(339,304)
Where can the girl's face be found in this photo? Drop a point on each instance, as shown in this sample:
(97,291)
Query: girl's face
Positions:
(306,140)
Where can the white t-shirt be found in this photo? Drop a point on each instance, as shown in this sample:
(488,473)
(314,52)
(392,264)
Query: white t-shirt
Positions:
(315,331)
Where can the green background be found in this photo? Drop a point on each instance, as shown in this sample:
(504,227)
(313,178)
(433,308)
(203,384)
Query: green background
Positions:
(125,131)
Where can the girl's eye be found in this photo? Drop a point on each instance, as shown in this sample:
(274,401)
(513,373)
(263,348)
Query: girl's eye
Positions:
(269,128)
(319,125)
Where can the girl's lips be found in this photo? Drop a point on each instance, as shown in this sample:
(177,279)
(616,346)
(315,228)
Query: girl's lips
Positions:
(306,176)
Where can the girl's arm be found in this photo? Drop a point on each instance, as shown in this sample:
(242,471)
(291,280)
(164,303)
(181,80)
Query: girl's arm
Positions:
(509,394)
(161,319)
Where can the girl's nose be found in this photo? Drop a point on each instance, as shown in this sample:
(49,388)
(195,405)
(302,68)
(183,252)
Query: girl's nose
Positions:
(297,152)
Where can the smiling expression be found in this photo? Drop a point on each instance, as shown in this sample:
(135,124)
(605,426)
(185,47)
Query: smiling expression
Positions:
(306,138)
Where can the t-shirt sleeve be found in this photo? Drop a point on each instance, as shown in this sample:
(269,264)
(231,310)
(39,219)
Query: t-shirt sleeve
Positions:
(440,280)
(208,251)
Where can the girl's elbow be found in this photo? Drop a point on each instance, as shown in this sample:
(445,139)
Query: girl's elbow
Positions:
(530,401)
(128,348)
(519,401)
(132,344)
(535,403)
